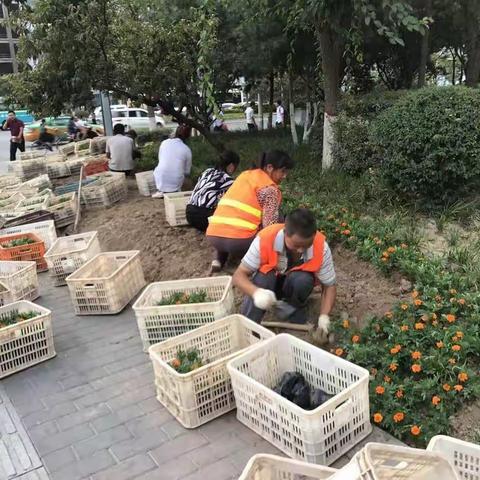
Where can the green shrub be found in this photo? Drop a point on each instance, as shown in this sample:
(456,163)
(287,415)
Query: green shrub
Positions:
(157,135)
(315,140)
(371,104)
(430,143)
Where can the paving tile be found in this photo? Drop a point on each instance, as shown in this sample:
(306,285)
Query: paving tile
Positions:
(221,470)
(173,428)
(146,422)
(83,416)
(41,416)
(128,469)
(175,469)
(178,446)
(101,441)
(80,469)
(67,395)
(148,441)
(56,460)
(63,439)
(43,430)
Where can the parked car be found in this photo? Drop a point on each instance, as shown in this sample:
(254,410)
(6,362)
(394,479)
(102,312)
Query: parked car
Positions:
(56,126)
(136,118)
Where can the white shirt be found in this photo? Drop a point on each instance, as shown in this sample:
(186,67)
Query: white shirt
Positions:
(120,148)
(79,123)
(174,163)
(280,114)
(249,114)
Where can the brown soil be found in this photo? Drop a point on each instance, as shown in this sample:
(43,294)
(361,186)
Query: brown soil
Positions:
(171,253)
(465,424)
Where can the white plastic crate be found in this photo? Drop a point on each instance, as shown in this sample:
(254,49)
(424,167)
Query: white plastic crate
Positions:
(67,149)
(33,204)
(5,295)
(21,279)
(27,342)
(106,283)
(41,182)
(206,393)
(318,436)
(108,188)
(68,254)
(273,467)
(9,180)
(10,201)
(82,145)
(32,154)
(463,456)
(175,205)
(146,183)
(26,169)
(64,208)
(159,322)
(44,230)
(379,461)
(74,165)
(58,170)
(98,145)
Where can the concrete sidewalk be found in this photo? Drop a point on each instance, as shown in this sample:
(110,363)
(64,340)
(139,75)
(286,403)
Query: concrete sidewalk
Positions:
(91,412)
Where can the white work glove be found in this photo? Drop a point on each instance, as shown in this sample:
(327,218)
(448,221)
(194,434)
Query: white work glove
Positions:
(324,323)
(264,299)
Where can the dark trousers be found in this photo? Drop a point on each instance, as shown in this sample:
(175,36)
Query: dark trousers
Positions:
(13,149)
(197,217)
(252,127)
(229,246)
(294,288)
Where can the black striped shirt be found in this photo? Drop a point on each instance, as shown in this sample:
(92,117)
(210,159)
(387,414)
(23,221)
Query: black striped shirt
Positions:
(210,187)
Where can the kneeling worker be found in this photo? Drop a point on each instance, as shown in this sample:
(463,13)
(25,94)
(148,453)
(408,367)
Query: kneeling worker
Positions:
(284,262)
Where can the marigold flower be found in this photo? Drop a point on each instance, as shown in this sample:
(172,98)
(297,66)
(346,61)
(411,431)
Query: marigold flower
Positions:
(345,324)
(356,339)
(461,301)
(438,298)
(459,334)
(417,302)
(346,232)
(393,367)
(384,259)
(419,326)
(456,348)
(385,254)
(415,294)
(436,400)
(453,291)
(416,355)
(403,245)
(424,318)
(415,430)
(440,344)
(398,417)
(343,224)
(389,315)
(447,387)
(339,352)
(462,377)
(379,390)
(416,368)
(404,306)
(404,328)
(394,350)
(452,361)
(455,338)
(458,388)
(451,318)
(434,323)
(434,316)
(377,417)
(399,393)
(387,379)
(391,249)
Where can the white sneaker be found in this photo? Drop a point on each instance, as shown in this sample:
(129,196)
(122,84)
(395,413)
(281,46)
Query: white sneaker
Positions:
(157,195)
(215,267)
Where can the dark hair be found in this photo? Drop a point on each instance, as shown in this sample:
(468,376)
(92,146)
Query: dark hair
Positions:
(132,133)
(301,222)
(226,158)
(119,128)
(279,102)
(11,111)
(276,158)
(183,132)
(252,104)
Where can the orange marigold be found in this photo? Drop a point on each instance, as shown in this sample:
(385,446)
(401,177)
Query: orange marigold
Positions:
(346,324)
(404,328)
(447,387)
(394,350)
(461,301)
(393,367)
(346,232)
(416,368)
(404,306)
(462,377)
(404,245)
(415,430)
(452,361)
(344,224)
(379,390)
(456,348)
(434,316)
(438,298)
(458,388)
(415,294)
(451,318)
(391,249)
(356,339)
(436,400)
(377,417)
(387,379)
(419,326)
(417,302)
(339,352)
(399,393)
(440,344)
(389,315)
(459,334)
(398,417)
(453,291)
(416,355)
(385,254)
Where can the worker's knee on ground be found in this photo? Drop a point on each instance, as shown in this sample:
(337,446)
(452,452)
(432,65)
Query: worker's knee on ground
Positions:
(298,286)
(265,280)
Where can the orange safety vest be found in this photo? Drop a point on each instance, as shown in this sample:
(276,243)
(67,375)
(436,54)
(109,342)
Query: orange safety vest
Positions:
(238,214)
(269,256)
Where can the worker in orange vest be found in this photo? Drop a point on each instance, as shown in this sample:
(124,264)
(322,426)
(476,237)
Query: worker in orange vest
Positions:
(282,266)
(250,204)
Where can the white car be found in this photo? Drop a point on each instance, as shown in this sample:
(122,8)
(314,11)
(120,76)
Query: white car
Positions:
(132,118)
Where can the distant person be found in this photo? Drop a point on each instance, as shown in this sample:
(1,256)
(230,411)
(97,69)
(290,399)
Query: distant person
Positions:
(174,163)
(210,188)
(16,127)
(44,137)
(119,151)
(280,121)
(80,126)
(94,119)
(133,135)
(91,133)
(71,128)
(250,117)
(219,124)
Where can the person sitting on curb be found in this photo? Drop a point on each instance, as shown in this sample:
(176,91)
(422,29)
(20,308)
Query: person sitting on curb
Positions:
(284,262)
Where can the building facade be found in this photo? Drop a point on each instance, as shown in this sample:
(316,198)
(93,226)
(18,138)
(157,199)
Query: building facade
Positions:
(8,41)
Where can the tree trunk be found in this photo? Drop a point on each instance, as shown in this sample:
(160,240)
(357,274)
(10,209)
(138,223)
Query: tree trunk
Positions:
(152,124)
(453,69)
(260,111)
(331,49)
(472,45)
(291,108)
(424,49)
(306,126)
(271,81)
(306,133)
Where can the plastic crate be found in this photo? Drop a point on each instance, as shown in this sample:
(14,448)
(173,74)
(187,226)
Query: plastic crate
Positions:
(95,165)
(82,145)
(21,279)
(74,165)
(378,461)
(175,205)
(9,180)
(316,436)
(107,189)
(27,342)
(73,187)
(68,254)
(273,467)
(5,295)
(41,182)
(64,208)
(31,252)
(206,393)
(26,169)
(30,218)
(58,170)
(146,183)
(67,149)
(106,283)
(33,204)
(32,154)
(10,201)
(463,456)
(44,230)
(157,323)
(98,145)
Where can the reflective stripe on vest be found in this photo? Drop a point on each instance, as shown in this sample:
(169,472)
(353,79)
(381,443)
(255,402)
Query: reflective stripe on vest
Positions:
(236,222)
(229,202)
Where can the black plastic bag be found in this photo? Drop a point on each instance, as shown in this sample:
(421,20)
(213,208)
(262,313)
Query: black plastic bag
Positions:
(301,395)
(287,384)
(318,397)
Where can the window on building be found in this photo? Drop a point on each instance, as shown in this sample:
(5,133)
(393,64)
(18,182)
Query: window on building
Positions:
(5,50)
(6,68)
